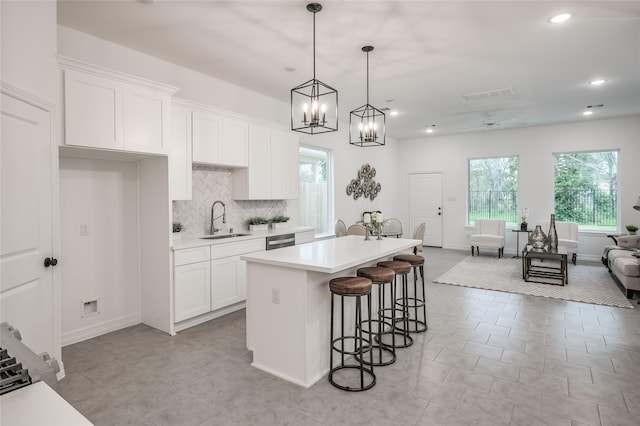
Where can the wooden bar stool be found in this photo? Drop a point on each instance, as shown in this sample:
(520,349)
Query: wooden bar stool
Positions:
(383,354)
(355,345)
(401,269)
(418,303)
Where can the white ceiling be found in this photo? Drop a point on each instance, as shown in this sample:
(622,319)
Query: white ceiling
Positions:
(428,54)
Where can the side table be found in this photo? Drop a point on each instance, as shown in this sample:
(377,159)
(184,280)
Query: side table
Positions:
(517,256)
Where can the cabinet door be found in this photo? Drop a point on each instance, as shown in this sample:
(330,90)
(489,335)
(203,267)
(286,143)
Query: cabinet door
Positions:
(284,165)
(145,120)
(227,287)
(234,145)
(207,131)
(259,177)
(93,111)
(192,290)
(180,170)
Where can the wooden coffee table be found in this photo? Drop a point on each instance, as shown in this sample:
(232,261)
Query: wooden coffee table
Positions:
(551,272)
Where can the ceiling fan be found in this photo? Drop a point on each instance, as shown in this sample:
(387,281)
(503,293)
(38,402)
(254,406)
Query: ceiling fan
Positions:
(489,122)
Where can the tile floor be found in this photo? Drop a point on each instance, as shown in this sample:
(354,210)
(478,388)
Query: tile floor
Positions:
(489,358)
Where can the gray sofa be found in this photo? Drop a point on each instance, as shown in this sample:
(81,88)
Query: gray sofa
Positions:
(623,265)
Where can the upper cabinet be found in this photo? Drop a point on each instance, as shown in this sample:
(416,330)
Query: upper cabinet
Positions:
(219,139)
(272,173)
(180,158)
(112,110)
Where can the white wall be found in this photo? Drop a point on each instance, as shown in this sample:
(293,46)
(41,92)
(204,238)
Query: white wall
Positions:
(534,147)
(347,161)
(28,47)
(103,266)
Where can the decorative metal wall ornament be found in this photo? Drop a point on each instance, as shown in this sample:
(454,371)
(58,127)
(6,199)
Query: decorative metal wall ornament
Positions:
(364,185)
(367,124)
(314,104)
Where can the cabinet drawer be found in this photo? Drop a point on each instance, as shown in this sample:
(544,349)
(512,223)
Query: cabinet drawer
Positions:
(191,255)
(241,247)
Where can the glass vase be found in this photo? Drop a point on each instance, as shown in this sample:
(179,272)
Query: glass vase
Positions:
(552,236)
(538,239)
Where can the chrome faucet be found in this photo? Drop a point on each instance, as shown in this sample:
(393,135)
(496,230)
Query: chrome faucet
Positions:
(213,218)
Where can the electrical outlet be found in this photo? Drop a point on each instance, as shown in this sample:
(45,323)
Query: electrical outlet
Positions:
(275,296)
(84,229)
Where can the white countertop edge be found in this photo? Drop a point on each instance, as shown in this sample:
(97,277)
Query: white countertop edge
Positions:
(191,242)
(287,258)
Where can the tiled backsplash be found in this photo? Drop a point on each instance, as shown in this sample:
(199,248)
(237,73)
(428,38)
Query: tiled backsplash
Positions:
(211,184)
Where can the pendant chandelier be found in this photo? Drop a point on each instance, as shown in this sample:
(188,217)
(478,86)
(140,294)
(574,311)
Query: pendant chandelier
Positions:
(367,123)
(314,105)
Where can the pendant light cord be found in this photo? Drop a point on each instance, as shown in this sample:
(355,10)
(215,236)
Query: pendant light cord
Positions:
(314,46)
(367,78)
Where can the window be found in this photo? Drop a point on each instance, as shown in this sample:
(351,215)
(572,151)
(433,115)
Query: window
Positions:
(316,189)
(586,189)
(493,189)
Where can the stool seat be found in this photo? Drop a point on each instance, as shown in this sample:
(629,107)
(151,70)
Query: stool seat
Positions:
(377,273)
(413,259)
(350,285)
(397,266)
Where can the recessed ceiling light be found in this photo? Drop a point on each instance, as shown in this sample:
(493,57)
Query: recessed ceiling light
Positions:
(393,113)
(587,112)
(290,69)
(561,17)
(431,129)
(598,82)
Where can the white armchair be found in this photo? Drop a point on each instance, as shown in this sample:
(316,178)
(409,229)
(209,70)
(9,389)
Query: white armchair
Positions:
(567,236)
(489,233)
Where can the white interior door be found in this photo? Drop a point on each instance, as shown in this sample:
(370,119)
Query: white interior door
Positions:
(26,226)
(425,205)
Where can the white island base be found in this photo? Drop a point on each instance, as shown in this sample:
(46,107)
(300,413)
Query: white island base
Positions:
(289,303)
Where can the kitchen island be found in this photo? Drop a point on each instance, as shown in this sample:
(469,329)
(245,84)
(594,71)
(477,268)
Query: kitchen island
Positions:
(288,301)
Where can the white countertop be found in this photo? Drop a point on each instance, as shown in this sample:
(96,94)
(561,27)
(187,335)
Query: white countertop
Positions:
(38,404)
(333,255)
(190,242)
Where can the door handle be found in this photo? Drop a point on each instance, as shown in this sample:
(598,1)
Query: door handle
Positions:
(50,261)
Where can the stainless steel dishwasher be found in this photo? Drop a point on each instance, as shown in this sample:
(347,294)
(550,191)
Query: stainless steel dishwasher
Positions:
(279,241)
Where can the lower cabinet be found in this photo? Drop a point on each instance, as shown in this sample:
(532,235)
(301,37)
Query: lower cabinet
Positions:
(228,284)
(192,290)
(210,281)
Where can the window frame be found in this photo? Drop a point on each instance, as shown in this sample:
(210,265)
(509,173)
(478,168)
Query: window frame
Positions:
(508,223)
(616,228)
(330,200)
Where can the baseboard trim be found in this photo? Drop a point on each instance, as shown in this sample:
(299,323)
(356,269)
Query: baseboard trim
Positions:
(75,336)
(207,317)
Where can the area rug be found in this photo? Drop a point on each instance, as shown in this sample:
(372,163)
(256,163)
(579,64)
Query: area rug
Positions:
(588,284)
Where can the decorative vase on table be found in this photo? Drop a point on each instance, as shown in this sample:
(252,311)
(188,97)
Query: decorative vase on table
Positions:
(552,236)
(538,239)
(523,226)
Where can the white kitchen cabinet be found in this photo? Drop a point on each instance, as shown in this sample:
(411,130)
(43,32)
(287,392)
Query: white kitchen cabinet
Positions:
(272,173)
(180,157)
(93,111)
(227,282)
(191,282)
(219,139)
(284,165)
(192,290)
(112,110)
(210,280)
(145,122)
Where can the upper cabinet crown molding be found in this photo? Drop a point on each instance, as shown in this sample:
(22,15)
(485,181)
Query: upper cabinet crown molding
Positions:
(67,63)
(108,109)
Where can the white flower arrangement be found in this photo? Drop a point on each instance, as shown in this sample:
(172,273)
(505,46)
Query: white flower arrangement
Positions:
(523,213)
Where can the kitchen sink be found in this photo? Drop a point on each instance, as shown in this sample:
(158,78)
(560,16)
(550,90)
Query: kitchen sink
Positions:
(221,236)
